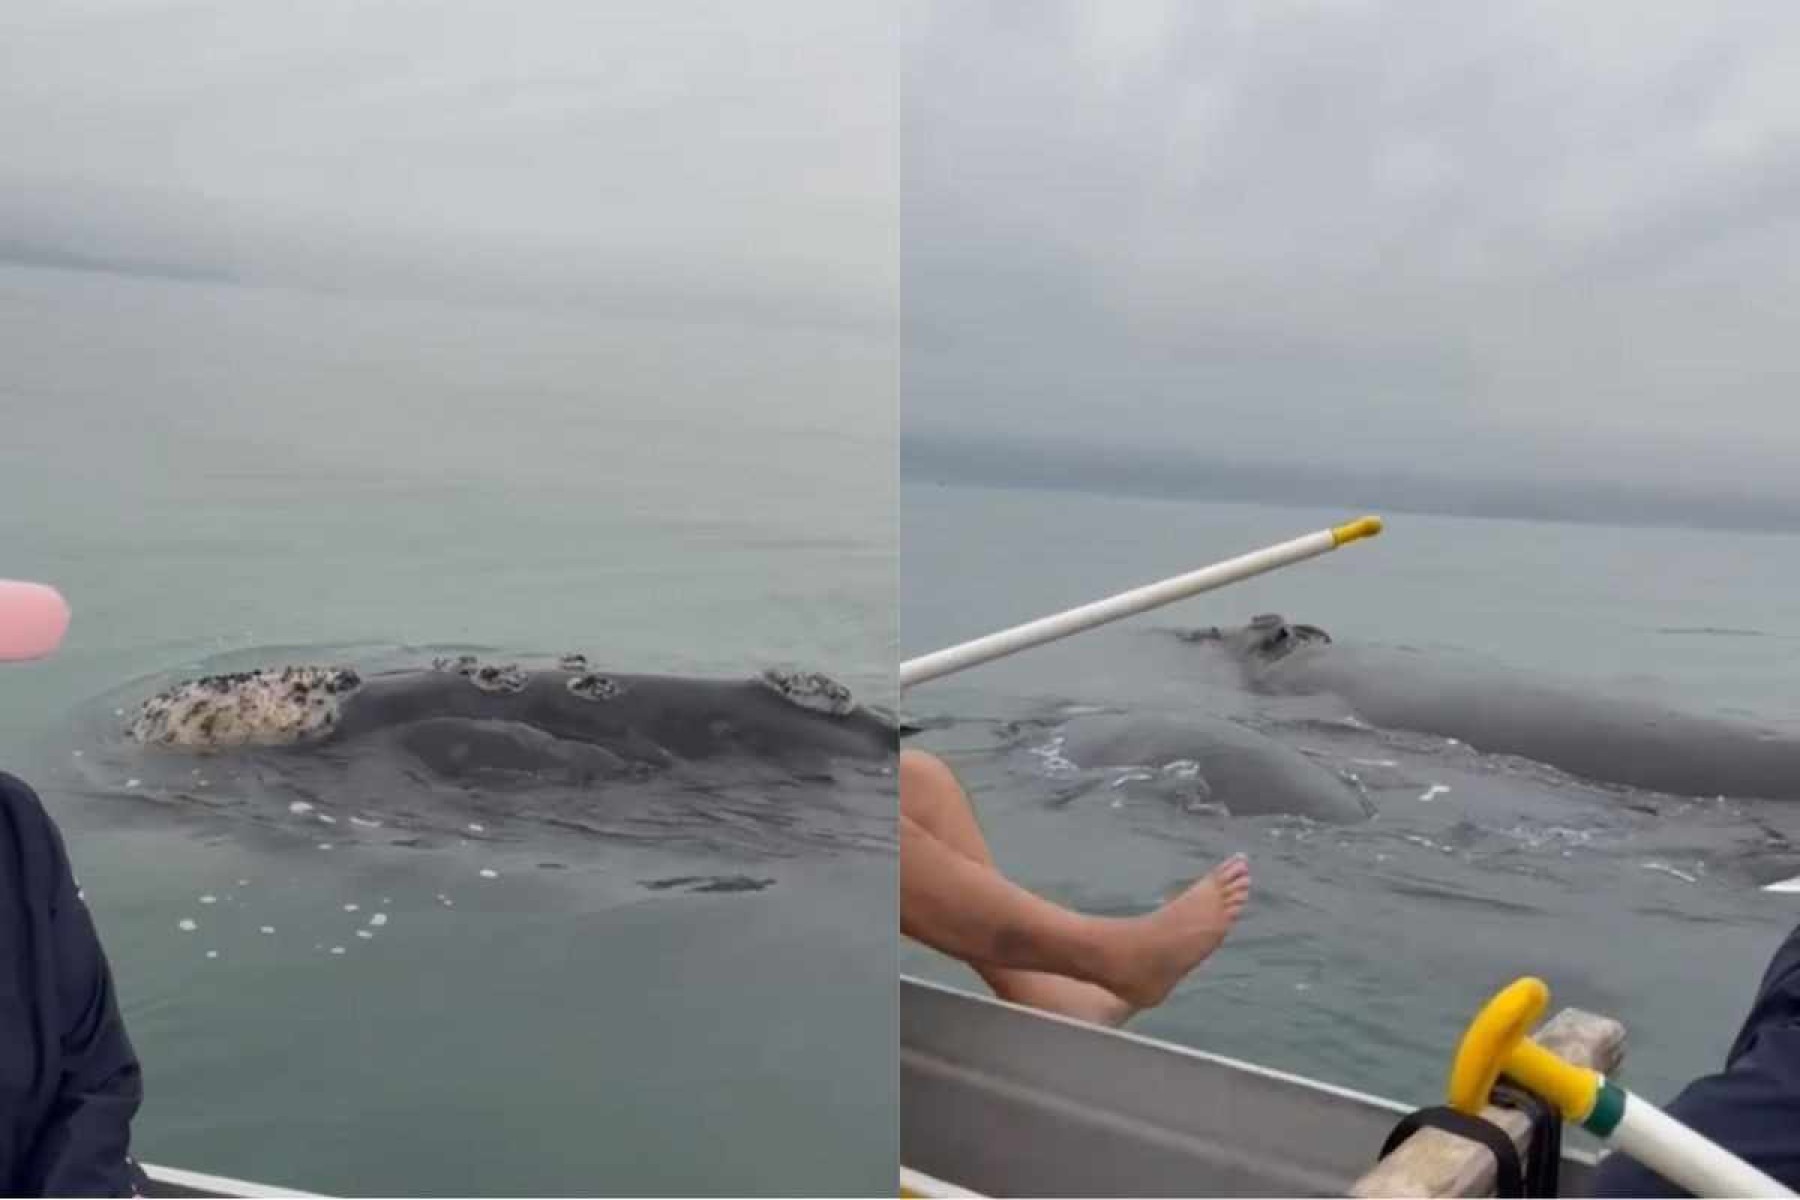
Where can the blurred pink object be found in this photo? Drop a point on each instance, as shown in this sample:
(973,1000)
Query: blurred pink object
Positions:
(33,619)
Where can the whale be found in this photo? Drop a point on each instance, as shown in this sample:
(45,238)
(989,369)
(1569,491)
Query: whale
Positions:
(461,716)
(1606,739)
(1226,764)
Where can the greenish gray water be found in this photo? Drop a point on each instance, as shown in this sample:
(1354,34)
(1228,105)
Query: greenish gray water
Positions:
(214,471)
(1366,949)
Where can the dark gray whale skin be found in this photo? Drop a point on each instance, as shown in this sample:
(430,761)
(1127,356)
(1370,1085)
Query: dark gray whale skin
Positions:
(652,718)
(1606,739)
(1246,772)
(468,717)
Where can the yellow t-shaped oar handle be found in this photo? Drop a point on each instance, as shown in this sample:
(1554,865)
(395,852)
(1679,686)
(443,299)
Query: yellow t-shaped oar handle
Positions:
(1496,1044)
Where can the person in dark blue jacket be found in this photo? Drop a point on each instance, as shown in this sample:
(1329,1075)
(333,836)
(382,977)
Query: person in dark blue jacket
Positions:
(69,1080)
(1752,1107)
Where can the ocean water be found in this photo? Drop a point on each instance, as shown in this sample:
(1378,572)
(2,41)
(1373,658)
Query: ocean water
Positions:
(228,476)
(1366,949)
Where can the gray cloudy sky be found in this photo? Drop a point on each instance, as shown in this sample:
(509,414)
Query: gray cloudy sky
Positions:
(1504,238)
(628,152)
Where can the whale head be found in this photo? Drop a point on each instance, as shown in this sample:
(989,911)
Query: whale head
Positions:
(1267,638)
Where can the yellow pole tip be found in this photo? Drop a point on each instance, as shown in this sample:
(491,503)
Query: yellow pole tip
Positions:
(1364,527)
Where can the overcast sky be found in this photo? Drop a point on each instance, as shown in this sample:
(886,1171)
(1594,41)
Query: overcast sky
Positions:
(625,152)
(1498,237)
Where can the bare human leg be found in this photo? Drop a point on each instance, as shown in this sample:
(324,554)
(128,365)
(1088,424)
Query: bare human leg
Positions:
(1028,949)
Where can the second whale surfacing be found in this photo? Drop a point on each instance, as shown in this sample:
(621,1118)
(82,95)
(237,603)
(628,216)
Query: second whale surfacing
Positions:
(1605,739)
(1228,765)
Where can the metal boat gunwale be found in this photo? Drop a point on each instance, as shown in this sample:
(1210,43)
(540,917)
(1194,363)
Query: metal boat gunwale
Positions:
(1175,1048)
(1002,1099)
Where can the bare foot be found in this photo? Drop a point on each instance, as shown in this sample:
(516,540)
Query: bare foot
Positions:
(1143,958)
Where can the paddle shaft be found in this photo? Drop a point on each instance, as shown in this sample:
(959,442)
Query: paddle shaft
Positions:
(1683,1157)
(1126,604)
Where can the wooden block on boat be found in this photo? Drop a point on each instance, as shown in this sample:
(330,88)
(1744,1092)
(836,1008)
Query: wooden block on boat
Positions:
(1433,1162)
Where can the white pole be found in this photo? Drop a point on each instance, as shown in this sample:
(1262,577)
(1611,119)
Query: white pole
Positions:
(1126,604)
(1682,1156)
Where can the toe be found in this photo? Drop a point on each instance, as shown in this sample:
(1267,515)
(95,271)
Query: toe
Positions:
(1235,868)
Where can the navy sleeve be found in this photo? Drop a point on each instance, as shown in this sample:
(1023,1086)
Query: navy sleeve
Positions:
(1752,1107)
(82,1143)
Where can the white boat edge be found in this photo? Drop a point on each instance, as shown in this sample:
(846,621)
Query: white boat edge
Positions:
(917,1183)
(199,1183)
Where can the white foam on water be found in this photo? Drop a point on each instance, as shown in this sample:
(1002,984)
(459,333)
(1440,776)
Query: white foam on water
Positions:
(324,845)
(477,829)
(363,933)
(337,949)
(489,873)
(1666,869)
(327,819)
(209,899)
(212,954)
(1050,753)
(268,929)
(1433,792)
(378,920)
(1375,762)
(365,822)
(351,907)
(187,924)
(300,806)
(243,883)
(1786,886)
(131,783)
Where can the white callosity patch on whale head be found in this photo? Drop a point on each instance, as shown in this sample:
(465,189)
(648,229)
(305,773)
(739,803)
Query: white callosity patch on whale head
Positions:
(594,686)
(490,678)
(810,689)
(248,708)
(487,677)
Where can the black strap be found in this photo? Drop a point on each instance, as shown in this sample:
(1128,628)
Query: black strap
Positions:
(1543,1164)
(1509,1176)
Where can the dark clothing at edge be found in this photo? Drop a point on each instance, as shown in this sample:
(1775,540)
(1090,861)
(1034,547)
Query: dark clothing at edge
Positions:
(1752,1107)
(69,1080)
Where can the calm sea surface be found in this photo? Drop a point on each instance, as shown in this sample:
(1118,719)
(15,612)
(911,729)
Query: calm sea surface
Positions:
(1366,950)
(218,475)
